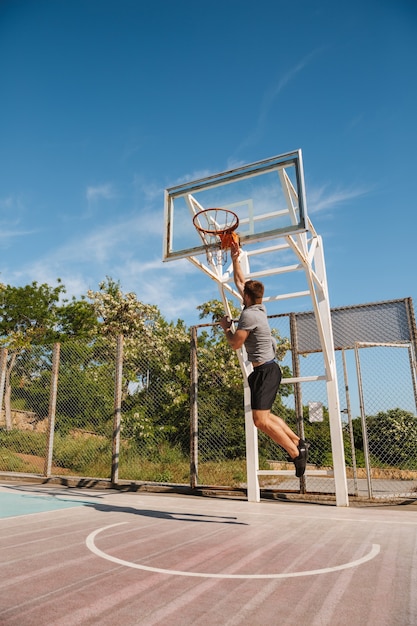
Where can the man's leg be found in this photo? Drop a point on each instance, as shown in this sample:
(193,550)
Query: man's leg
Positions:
(291,434)
(277,429)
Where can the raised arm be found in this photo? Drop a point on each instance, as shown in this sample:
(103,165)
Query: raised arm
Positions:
(238,274)
(235,339)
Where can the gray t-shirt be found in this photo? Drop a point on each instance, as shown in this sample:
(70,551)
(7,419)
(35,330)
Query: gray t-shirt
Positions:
(260,344)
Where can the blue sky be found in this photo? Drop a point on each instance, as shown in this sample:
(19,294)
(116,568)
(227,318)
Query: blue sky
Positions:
(105,103)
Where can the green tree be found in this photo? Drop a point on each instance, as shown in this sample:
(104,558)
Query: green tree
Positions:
(76,319)
(155,364)
(37,315)
(392,438)
(28,315)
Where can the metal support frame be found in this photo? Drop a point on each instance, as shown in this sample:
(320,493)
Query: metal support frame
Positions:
(308,249)
(312,258)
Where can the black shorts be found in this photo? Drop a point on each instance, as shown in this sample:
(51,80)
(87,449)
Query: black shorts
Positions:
(264,383)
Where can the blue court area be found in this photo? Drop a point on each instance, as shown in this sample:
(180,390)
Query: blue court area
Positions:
(81,557)
(14,504)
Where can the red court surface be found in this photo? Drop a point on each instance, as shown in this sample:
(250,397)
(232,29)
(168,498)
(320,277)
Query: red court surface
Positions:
(73,556)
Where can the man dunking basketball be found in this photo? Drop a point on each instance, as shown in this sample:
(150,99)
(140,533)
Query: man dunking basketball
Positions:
(253,331)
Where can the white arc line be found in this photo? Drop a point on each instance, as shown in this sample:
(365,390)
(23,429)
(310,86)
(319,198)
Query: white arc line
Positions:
(326,570)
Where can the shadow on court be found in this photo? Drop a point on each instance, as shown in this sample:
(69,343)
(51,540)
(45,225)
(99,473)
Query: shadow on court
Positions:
(26,500)
(179,517)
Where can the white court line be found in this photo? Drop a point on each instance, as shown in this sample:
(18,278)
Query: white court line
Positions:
(91,546)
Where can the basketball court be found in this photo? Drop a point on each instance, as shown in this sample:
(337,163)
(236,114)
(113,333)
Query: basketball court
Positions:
(71,556)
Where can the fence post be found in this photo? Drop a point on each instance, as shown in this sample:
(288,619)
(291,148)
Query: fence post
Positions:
(193,410)
(349,414)
(3,365)
(363,420)
(117,410)
(298,400)
(52,409)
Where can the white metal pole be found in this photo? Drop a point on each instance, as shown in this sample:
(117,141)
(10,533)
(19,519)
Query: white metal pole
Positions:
(336,435)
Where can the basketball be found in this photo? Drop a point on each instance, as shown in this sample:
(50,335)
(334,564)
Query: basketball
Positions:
(227,239)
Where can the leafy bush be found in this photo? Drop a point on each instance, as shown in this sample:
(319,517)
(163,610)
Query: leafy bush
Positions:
(23,441)
(392,438)
(85,455)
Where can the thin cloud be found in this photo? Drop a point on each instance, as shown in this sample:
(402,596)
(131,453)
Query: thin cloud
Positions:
(157,283)
(274,91)
(6,203)
(100,192)
(197,175)
(321,199)
(113,243)
(233,163)
(270,97)
(12,205)
(102,242)
(12,209)
(95,194)
(147,190)
(12,234)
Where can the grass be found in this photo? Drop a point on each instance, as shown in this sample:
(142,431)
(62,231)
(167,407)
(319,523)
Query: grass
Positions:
(88,456)
(163,463)
(13,463)
(91,455)
(230,473)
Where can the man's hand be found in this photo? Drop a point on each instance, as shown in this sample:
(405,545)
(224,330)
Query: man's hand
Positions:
(225,322)
(234,250)
(235,339)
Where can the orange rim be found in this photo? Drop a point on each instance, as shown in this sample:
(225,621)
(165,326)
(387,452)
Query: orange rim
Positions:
(224,222)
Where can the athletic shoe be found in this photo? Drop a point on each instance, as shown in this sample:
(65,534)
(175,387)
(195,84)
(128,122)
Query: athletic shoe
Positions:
(303,445)
(300,461)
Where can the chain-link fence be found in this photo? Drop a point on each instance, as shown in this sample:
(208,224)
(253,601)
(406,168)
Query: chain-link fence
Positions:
(387,416)
(96,410)
(61,413)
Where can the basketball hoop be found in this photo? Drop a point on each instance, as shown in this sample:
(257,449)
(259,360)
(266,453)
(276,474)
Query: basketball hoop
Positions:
(216,227)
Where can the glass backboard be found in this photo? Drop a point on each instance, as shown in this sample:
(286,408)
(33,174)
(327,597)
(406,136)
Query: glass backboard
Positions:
(267,196)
